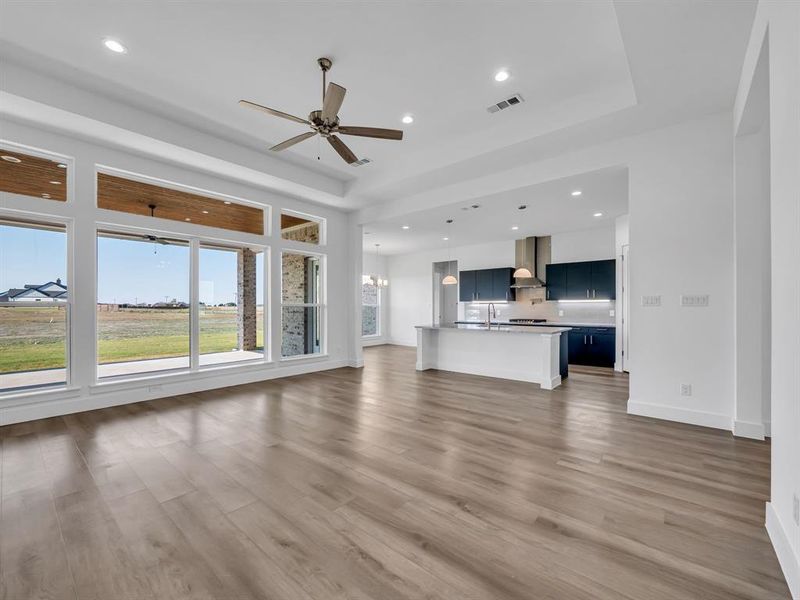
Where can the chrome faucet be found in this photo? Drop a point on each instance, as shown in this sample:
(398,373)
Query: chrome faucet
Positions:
(490,310)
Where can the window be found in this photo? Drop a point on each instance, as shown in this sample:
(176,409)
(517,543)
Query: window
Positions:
(301,304)
(33,176)
(370,307)
(231,306)
(143,320)
(34,305)
(298,228)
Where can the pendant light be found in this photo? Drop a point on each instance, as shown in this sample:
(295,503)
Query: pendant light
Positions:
(375,280)
(449,279)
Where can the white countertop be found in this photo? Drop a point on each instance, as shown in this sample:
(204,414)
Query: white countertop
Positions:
(498,328)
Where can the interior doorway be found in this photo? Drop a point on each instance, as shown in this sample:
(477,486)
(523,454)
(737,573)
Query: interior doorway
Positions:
(625,306)
(445,297)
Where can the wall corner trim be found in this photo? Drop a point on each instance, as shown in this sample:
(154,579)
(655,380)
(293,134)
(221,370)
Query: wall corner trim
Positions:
(789,561)
(681,415)
(748,429)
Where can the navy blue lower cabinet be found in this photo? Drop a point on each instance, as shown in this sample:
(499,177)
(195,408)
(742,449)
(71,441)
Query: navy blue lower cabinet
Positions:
(592,346)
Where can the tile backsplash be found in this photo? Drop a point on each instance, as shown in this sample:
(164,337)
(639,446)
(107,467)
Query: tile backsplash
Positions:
(573,312)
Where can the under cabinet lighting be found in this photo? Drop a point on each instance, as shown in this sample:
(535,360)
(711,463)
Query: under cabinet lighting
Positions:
(589,300)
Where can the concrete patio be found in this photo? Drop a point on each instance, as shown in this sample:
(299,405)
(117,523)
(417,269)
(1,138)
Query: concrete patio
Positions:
(44,377)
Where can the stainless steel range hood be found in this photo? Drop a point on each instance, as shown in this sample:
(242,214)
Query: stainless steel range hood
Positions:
(533,253)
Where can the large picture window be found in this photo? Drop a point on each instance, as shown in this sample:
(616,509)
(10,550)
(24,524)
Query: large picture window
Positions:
(143,319)
(34,305)
(301,304)
(231,304)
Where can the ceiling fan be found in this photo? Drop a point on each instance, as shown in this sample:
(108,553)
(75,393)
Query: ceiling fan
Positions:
(325,122)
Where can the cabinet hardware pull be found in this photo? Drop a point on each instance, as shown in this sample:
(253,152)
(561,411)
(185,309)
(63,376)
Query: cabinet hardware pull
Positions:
(594,293)
(584,339)
(591,339)
(587,293)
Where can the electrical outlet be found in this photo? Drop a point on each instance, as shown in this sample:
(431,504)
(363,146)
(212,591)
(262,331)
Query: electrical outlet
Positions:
(651,300)
(796,509)
(611,312)
(695,300)
(561,313)
(686,389)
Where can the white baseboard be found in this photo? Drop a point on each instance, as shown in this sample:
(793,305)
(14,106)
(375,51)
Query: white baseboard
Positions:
(395,342)
(681,415)
(748,429)
(789,561)
(54,404)
(356,364)
(768,429)
(378,341)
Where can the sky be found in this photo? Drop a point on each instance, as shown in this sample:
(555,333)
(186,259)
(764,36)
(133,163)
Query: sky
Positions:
(128,271)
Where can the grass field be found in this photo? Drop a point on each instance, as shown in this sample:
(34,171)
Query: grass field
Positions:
(33,338)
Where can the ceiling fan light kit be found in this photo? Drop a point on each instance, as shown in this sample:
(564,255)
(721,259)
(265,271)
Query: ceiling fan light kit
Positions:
(325,122)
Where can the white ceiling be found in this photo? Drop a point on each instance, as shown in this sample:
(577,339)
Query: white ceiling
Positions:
(435,61)
(588,71)
(551,208)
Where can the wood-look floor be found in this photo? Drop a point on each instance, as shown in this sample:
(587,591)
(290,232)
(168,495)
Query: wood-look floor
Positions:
(383,484)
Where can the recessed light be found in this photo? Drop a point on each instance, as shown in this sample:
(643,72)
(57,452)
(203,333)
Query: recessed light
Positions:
(598,214)
(501,75)
(61,166)
(45,195)
(227,201)
(515,227)
(406,227)
(54,182)
(408,119)
(114,46)
(444,239)
(577,193)
(11,159)
(205,212)
(187,219)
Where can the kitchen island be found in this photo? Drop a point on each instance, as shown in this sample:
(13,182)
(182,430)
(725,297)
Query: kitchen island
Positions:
(535,354)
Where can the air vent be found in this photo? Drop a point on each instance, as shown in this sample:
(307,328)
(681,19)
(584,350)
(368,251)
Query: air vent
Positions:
(507,103)
(363,161)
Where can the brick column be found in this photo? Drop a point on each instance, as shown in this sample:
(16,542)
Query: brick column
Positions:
(247,298)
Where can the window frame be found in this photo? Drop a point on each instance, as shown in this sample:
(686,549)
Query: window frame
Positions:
(68,226)
(321,305)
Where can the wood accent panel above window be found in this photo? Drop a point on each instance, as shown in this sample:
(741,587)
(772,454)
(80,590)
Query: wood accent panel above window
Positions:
(299,229)
(32,176)
(135,197)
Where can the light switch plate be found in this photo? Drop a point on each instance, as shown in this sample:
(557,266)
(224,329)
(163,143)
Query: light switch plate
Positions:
(695,300)
(651,300)
(686,389)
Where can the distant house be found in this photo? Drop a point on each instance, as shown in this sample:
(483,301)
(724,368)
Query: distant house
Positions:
(52,291)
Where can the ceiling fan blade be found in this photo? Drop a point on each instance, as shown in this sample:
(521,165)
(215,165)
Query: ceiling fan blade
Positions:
(292,141)
(333,102)
(342,149)
(373,132)
(272,111)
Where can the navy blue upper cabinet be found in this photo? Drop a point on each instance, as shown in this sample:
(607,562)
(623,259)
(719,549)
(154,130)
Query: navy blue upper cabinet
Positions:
(486,285)
(502,280)
(590,280)
(483,285)
(579,280)
(556,281)
(604,280)
(466,286)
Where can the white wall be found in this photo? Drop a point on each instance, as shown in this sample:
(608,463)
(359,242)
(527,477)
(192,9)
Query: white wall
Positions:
(586,244)
(779,23)
(621,238)
(84,391)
